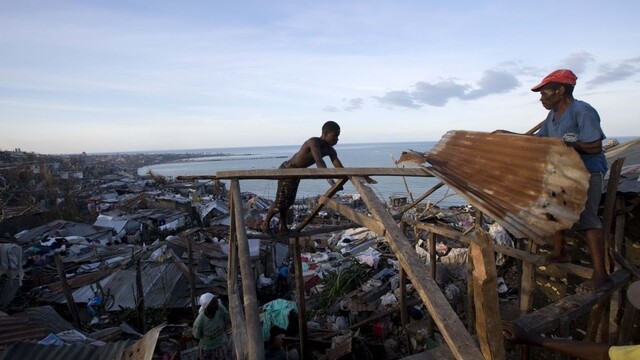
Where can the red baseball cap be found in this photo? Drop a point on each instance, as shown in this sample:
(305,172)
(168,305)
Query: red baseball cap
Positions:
(562,76)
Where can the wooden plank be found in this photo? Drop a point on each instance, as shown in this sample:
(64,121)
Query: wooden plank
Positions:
(252,316)
(627,325)
(528,282)
(572,307)
(575,269)
(323,173)
(354,216)
(404,314)
(329,194)
(451,328)
(304,235)
(422,197)
(192,278)
(485,291)
(433,272)
(236,312)
(71,304)
(456,235)
(300,297)
(140,292)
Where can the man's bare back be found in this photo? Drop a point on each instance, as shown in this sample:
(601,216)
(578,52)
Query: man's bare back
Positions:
(313,151)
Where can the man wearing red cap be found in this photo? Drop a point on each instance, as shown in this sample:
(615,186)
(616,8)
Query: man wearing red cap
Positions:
(578,124)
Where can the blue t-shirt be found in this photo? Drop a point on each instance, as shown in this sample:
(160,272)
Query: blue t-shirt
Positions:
(580,122)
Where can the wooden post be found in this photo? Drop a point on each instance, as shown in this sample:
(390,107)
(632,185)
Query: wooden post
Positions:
(255,342)
(236,312)
(432,266)
(485,286)
(528,281)
(300,297)
(458,339)
(140,293)
(627,325)
(71,304)
(332,191)
(594,319)
(192,279)
(404,315)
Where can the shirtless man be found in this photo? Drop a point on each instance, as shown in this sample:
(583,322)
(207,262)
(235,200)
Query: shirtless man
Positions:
(311,152)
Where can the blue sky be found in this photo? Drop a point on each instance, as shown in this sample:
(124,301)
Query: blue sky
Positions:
(100,76)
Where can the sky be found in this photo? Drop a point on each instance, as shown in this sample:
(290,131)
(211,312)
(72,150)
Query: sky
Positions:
(110,76)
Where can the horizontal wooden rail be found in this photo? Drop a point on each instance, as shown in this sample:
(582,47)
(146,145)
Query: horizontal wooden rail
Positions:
(324,173)
(538,260)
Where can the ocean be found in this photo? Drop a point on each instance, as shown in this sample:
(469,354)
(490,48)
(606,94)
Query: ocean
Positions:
(351,155)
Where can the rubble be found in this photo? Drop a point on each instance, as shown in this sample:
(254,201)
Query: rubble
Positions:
(149,246)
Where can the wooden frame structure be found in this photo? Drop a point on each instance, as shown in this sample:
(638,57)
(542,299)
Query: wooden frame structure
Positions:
(482,282)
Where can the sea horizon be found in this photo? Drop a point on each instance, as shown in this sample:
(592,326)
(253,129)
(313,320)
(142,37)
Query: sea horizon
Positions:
(351,155)
(222,150)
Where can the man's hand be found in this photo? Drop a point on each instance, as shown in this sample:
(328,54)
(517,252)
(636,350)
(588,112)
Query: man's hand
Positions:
(516,334)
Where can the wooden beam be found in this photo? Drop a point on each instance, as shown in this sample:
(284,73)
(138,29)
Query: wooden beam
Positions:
(140,300)
(404,314)
(459,340)
(528,281)
(456,235)
(252,316)
(575,269)
(322,173)
(71,303)
(301,299)
(571,307)
(304,235)
(192,278)
(329,194)
(236,312)
(485,292)
(355,216)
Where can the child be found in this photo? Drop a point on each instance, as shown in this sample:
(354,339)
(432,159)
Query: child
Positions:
(311,152)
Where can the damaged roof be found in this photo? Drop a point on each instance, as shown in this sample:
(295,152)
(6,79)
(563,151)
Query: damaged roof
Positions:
(62,228)
(164,286)
(532,186)
(31,351)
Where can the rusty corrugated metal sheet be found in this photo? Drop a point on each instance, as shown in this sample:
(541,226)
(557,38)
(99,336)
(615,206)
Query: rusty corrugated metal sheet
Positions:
(532,186)
(13,328)
(32,324)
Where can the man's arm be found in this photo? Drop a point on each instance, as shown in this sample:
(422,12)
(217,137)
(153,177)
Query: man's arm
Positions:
(591,148)
(586,350)
(316,152)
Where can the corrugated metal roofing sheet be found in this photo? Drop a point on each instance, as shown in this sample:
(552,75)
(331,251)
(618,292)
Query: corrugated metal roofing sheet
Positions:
(24,350)
(163,286)
(34,323)
(532,186)
(13,328)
